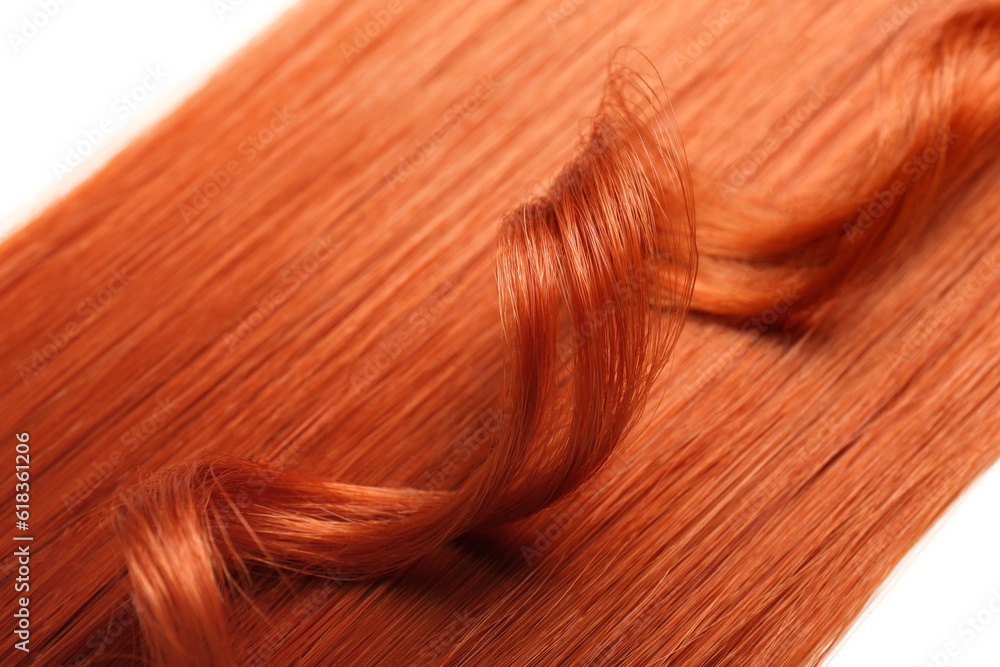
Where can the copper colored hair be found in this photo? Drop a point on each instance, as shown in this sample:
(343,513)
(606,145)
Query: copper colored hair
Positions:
(466,347)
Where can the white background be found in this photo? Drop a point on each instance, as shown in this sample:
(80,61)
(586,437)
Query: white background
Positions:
(68,78)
